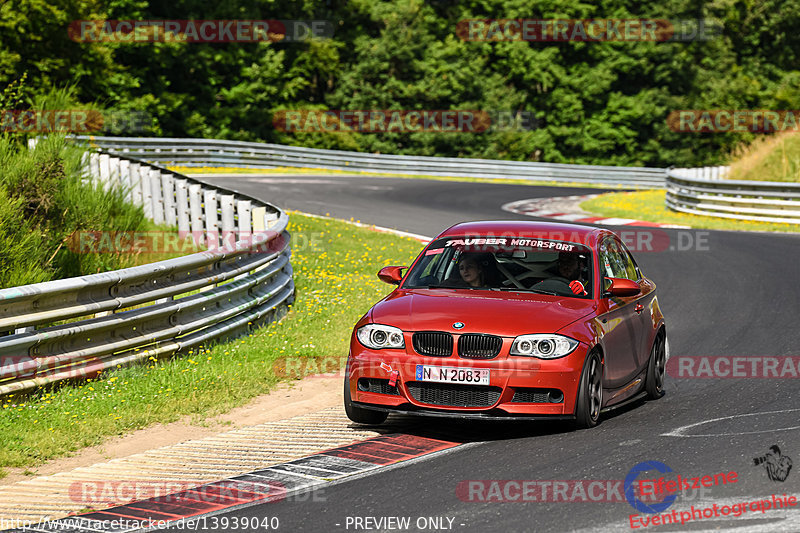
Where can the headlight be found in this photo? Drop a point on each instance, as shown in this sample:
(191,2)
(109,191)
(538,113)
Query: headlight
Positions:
(542,345)
(378,336)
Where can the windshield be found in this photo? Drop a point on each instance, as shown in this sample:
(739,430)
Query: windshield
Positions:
(499,263)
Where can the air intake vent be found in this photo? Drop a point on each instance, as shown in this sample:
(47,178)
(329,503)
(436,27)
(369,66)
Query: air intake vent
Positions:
(381,386)
(479,346)
(433,343)
(522,395)
(454,395)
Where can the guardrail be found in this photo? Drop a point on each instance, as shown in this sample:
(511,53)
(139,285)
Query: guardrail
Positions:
(694,194)
(210,153)
(766,201)
(244,279)
(706,173)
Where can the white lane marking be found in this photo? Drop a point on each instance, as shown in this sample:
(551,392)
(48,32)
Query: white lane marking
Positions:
(422,238)
(291,181)
(680,431)
(615,221)
(542,212)
(573,217)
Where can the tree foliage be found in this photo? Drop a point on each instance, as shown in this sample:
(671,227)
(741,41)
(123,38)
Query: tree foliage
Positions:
(598,103)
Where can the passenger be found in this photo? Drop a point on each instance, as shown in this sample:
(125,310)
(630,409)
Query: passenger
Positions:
(471,271)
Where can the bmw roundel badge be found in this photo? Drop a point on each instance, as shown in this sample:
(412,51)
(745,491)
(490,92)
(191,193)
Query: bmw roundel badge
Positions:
(458,325)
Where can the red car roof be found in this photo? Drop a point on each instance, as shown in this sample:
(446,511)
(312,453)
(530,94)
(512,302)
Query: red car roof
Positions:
(524,228)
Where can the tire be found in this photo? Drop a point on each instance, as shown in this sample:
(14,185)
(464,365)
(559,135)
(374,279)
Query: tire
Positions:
(590,393)
(654,383)
(360,415)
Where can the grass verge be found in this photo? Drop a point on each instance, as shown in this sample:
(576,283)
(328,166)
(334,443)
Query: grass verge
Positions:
(335,266)
(770,158)
(649,206)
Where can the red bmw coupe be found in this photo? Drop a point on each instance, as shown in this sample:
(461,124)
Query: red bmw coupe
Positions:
(500,320)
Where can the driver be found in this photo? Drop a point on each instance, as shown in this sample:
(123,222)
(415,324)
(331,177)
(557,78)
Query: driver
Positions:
(569,266)
(569,271)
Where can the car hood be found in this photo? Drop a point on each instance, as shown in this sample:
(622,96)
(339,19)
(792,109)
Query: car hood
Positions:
(500,313)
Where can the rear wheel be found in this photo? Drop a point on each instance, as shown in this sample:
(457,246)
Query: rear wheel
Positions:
(654,385)
(359,414)
(590,393)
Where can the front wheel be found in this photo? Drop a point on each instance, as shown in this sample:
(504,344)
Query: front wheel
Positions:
(654,385)
(590,393)
(360,415)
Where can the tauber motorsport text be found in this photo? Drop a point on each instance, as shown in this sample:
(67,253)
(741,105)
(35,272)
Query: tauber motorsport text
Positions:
(561,246)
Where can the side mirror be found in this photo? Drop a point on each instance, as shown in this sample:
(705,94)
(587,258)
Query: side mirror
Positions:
(391,274)
(621,287)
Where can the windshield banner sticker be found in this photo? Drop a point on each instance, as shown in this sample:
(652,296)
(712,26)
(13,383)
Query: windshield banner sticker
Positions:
(532,243)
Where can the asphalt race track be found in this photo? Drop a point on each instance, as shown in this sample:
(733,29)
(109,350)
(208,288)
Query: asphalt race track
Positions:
(723,294)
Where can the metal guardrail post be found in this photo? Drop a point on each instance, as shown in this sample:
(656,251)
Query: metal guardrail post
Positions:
(244,217)
(113,172)
(136,184)
(105,171)
(228,220)
(124,166)
(182,207)
(94,164)
(156,196)
(147,191)
(168,191)
(196,213)
(210,215)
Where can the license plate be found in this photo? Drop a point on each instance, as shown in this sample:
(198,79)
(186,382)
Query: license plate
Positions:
(449,374)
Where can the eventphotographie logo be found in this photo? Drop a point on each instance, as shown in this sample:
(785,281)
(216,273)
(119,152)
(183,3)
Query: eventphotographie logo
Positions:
(777,465)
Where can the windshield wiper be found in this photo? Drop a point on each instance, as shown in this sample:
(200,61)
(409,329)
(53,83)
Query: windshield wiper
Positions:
(456,287)
(537,291)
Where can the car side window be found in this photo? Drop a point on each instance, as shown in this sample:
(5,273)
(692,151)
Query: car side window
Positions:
(609,261)
(616,262)
(633,268)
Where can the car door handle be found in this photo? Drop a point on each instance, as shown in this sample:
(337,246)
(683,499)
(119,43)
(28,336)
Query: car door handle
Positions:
(639,308)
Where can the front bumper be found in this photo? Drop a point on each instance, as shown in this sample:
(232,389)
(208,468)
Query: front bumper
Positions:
(513,380)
